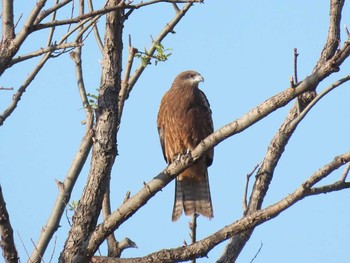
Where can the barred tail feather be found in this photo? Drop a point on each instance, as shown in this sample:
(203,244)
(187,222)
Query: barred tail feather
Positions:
(192,195)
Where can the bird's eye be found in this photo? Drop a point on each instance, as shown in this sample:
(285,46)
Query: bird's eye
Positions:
(190,76)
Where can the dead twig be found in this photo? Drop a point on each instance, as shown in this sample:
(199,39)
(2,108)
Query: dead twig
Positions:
(245,194)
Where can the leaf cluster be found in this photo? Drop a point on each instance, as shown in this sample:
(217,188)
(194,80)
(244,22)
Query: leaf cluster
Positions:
(162,54)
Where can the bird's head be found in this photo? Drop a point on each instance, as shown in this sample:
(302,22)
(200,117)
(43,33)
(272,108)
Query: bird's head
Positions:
(189,77)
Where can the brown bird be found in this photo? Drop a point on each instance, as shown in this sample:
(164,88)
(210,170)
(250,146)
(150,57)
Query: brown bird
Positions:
(184,120)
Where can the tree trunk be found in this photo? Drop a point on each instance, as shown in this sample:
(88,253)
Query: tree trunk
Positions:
(104,145)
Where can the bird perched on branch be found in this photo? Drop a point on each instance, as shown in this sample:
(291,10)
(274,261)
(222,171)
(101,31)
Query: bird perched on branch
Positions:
(184,120)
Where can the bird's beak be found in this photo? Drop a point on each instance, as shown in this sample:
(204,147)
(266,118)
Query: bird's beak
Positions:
(199,78)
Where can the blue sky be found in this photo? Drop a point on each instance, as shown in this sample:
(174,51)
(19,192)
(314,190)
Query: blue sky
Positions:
(244,50)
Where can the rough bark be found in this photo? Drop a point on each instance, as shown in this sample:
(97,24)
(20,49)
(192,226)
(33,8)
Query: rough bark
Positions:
(6,243)
(104,144)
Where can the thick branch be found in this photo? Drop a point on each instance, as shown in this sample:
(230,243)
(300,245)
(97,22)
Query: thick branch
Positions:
(138,200)
(104,146)
(333,38)
(23,34)
(8,28)
(202,247)
(6,233)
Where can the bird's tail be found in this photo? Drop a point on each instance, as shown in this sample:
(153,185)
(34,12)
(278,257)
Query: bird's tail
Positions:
(192,195)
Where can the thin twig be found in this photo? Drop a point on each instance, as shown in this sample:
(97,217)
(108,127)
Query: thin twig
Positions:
(76,166)
(23,245)
(36,249)
(347,30)
(345,173)
(296,54)
(52,29)
(45,13)
(17,97)
(257,253)
(325,189)
(245,204)
(123,93)
(166,30)
(177,9)
(42,51)
(3,88)
(92,24)
(106,10)
(53,250)
(19,19)
(96,32)
(317,98)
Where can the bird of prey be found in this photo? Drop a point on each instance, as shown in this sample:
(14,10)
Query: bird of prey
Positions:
(184,120)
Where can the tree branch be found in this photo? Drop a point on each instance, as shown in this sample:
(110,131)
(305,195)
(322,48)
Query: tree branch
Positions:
(8,28)
(78,163)
(52,29)
(42,51)
(169,28)
(45,13)
(6,233)
(345,173)
(96,32)
(23,34)
(132,205)
(280,140)
(17,97)
(202,247)
(104,146)
(106,10)
(129,82)
(333,38)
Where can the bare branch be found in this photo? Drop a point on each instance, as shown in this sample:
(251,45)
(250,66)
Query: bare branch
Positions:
(257,253)
(76,166)
(104,11)
(3,88)
(328,188)
(296,54)
(345,173)
(245,205)
(265,173)
(52,29)
(17,97)
(52,10)
(42,51)
(202,247)
(96,32)
(23,34)
(8,28)
(6,233)
(333,38)
(237,126)
(104,150)
(193,231)
(169,28)
(317,98)
(124,90)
